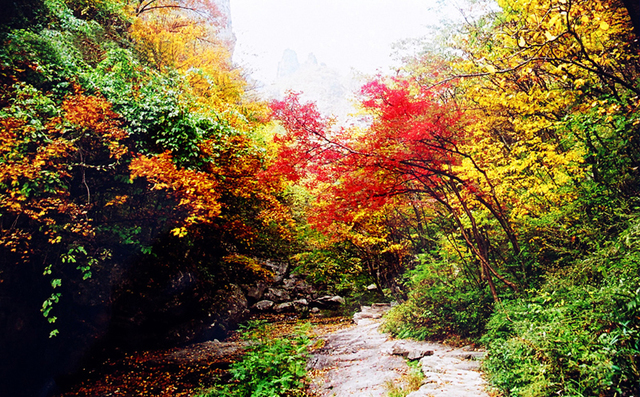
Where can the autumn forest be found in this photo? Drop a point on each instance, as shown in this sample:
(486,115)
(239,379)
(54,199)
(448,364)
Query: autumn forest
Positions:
(491,186)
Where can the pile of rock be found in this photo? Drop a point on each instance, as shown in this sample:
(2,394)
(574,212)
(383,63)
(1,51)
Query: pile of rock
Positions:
(291,294)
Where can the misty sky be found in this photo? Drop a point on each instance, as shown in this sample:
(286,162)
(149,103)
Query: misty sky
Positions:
(344,34)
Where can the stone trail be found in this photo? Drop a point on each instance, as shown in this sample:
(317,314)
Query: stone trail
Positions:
(361,361)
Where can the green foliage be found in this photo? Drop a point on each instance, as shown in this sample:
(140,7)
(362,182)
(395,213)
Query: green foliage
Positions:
(442,303)
(578,335)
(271,367)
(332,266)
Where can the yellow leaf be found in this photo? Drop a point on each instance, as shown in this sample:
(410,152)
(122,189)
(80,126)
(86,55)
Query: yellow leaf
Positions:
(491,69)
(179,232)
(554,19)
(604,25)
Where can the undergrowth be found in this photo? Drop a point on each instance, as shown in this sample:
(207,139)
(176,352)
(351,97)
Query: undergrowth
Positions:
(578,335)
(272,367)
(440,304)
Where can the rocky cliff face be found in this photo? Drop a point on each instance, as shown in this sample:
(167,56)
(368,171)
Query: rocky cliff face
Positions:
(316,81)
(288,65)
(224,24)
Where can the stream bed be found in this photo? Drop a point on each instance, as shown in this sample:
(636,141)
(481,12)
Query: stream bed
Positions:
(353,359)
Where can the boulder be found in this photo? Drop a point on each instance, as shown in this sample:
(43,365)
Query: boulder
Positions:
(263,305)
(235,307)
(230,309)
(329,301)
(289,283)
(302,288)
(300,304)
(366,314)
(470,355)
(237,303)
(279,270)
(284,307)
(417,354)
(277,295)
(410,351)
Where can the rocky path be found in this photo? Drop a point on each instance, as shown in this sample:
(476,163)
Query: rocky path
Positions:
(361,361)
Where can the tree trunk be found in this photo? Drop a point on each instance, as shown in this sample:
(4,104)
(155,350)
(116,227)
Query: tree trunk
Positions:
(633,8)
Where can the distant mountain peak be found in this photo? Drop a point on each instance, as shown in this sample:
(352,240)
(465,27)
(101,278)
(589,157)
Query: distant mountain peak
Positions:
(289,64)
(311,59)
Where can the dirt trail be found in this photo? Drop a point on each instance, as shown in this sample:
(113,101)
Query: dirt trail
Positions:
(361,361)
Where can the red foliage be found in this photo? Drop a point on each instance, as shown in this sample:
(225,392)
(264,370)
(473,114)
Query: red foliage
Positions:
(307,146)
(410,146)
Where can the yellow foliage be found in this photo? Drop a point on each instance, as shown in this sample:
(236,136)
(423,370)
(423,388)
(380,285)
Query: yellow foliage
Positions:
(195,191)
(185,39)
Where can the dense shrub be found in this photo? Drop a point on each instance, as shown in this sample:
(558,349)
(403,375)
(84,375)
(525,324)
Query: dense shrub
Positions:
(441,303)
(272,367)
(579,335)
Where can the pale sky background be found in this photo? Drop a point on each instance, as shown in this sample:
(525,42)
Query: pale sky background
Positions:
(343,34)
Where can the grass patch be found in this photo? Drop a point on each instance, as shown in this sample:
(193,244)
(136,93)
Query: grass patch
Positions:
(408,383)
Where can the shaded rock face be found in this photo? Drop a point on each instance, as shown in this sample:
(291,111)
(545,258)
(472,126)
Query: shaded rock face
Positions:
(257,291)
(164,313)
(234,310)
(30,361)
(162,306)
(180,306)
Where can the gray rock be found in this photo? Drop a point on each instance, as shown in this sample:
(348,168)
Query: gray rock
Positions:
(300,303)
(284,307)
(361,315)
(289,284)
(302,288)
(277,295)
(279,270)
(399,349)
(410,351)
(237,304)
(256,291)
(469,355)
(417,354)
(263,305)
(330,301)
(337,299)
(232,309)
